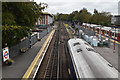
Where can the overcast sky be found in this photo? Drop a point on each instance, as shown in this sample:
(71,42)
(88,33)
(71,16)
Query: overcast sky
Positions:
(67,6)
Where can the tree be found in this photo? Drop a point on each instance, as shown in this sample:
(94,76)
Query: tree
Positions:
(22,13)
(103,18)
(17,20)
(95,11)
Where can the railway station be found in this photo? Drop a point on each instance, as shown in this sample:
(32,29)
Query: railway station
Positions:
(62,46)
(56,59)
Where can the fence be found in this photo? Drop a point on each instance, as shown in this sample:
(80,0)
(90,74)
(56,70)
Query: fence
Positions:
(15,50)
(33,39)
(27,43)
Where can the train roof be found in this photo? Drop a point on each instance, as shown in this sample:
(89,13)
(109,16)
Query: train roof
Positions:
(106,28)
(86,60)
(77,42)
(79,60)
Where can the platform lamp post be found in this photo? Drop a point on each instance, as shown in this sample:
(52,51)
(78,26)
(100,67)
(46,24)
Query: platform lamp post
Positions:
(101,32)
(114,37)
(109,39)
(113,22)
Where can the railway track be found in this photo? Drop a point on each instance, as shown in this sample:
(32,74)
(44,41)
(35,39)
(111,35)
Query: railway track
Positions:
(55,64)
(51,69)
(63,57)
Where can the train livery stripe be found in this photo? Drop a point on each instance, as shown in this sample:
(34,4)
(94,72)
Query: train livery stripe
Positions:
(40,53)
(111,39)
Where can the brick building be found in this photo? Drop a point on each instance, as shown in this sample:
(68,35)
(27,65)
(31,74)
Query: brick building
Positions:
(47,19)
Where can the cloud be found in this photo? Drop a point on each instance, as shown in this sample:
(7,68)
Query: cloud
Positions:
(65,6)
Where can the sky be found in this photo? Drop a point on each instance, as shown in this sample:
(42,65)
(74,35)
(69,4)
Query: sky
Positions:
(68,6)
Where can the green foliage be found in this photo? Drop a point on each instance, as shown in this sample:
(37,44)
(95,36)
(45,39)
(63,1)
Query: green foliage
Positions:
(13,34)
(103,18)
(17,20)
(8,18)
(21,13)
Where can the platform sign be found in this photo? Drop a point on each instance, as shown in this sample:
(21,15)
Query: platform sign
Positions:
(5,54)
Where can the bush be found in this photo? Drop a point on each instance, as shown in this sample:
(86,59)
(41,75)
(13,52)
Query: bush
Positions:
(12,35)
(8,18)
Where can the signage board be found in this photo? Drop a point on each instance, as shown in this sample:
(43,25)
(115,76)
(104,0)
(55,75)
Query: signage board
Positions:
(5,54)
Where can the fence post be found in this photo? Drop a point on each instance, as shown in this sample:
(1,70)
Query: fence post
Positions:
(30,41)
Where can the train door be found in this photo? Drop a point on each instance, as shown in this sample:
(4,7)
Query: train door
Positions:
(103,32)
(118,37)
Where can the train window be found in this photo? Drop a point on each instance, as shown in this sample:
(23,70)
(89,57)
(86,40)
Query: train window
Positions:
(113,34)
(107,32)
(79,50)
(116,35)
(90,49)
(77,43)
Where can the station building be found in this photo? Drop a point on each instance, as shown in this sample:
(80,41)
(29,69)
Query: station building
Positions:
(46,19)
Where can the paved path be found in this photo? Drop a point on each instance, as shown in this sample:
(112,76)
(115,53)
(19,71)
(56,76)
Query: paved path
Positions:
(22,62)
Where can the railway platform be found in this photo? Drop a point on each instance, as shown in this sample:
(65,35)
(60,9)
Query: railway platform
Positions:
(56,63)
(53,60)
(22,62)
(48,58)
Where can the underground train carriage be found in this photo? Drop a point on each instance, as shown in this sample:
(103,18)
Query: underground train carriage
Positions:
(87,62)
(112,32)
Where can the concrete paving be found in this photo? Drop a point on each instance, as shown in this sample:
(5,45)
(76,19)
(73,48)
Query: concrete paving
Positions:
(22,62)
(109,54)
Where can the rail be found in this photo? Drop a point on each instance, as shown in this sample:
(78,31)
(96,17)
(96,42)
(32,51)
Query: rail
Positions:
(32,70)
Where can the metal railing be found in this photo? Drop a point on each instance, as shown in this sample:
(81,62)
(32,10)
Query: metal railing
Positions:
(27,43)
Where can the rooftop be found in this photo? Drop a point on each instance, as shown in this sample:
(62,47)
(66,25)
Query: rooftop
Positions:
(46,13)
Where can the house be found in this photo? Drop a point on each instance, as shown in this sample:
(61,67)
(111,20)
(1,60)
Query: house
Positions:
(116,20)
(47,19)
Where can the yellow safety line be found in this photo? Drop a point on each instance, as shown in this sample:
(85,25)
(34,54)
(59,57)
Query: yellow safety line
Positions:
(111,39)
(69,71)
(30,69)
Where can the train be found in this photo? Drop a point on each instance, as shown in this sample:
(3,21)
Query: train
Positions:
(87,62)
(113,33)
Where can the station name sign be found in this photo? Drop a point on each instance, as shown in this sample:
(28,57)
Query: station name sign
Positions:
(5,54)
